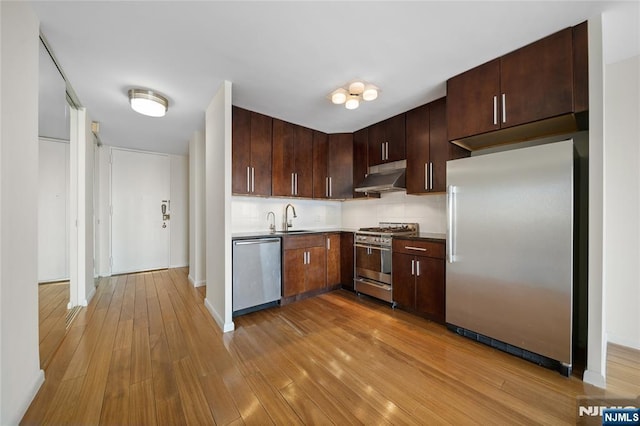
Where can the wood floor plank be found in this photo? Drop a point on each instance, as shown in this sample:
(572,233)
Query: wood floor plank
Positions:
(147,351)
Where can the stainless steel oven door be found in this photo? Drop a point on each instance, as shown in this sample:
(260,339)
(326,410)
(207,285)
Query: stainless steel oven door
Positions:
(373,262)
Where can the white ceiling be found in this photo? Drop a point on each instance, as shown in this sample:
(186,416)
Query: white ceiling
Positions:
(283,58)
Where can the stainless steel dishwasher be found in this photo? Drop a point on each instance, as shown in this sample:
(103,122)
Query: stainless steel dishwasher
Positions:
(257,275)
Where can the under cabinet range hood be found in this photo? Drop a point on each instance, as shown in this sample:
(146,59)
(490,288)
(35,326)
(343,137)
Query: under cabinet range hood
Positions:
(384,178)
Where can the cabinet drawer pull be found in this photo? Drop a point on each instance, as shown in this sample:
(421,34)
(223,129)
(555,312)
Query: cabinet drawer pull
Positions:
(415,248)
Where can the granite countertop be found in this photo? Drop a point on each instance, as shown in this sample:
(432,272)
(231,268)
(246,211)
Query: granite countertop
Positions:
(293,232)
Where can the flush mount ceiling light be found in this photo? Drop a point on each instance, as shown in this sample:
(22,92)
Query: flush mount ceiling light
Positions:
(351,94)
(148,102)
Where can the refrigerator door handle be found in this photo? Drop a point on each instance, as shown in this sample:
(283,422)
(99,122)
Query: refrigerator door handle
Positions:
(451,236)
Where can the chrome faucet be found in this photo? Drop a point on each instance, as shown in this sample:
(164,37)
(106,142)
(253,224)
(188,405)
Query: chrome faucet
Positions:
(272,225)
(287,222)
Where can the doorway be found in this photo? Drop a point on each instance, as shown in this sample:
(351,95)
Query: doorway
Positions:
(140,211)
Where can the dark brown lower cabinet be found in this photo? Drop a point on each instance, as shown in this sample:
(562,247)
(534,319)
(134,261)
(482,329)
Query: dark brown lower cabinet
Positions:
(304,264)
(419,277)
(333,259)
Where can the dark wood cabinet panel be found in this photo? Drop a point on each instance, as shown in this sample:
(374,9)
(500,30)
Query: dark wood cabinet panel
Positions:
(340,165)
(282,158)
(303,167)
(250,153)
(333,259)
(292,160)
(240,150)
(581,67)
(404,283)
(418,147)
(419,277)
(538,83)
(316,273)
(429,287)
(261,128)
(360,158)
(346,260)
(537,80)
(294,272)
(472,96)
(320,164)
(387,140)
(428,148)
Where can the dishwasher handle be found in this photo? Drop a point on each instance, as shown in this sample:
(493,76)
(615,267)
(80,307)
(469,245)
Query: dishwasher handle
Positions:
(260,241)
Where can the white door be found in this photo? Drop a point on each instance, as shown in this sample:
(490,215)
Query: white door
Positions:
(140,185)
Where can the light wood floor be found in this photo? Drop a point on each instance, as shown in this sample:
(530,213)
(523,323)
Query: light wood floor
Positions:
(147,352)
(52,314)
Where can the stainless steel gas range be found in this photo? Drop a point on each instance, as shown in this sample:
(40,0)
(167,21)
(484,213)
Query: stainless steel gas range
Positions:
(372,247)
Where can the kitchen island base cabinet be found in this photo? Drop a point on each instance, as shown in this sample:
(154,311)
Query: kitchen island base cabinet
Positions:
(419,277)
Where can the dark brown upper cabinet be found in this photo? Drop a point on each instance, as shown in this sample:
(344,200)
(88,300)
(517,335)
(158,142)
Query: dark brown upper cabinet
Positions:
(428,149)
(251,153)
(292,160)
(538,82)
(387,140)
(332,165)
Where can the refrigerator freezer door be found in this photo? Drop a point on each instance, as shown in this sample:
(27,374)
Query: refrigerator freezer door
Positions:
(510,266)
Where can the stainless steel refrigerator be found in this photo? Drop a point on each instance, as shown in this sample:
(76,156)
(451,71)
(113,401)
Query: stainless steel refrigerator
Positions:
(510,251)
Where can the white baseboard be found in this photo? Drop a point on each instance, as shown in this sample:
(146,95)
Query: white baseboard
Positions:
(86,301)
(594,378)
(182,265)
(623,341)
(15,417)
(225,327)
(197,283)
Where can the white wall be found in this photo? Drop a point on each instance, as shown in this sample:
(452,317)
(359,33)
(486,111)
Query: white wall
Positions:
(218,207)
(179,190)
(84,218)
(197,259)
(53,210)
(622,202)
(20,374)
(250,213)
(429,211)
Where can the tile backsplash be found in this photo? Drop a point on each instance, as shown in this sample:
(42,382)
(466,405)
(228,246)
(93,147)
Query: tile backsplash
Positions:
(250,213)
(429,211)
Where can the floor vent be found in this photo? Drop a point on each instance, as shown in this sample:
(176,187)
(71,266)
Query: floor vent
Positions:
(71,315)
(513,350)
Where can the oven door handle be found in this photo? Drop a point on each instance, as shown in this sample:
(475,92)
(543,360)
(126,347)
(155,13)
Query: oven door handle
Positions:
(372,247)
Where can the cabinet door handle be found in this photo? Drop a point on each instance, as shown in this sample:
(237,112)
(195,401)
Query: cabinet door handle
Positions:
(504,108)
(426,176)
(326,187)
(382,154)
(495,110)
(292,188)
(296,181)
(413,263)
(415,248)
(431,175)
(248,180)
(308,258)
(330,187)
(328,243)
(253,179)
(417,268)
(386,157)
